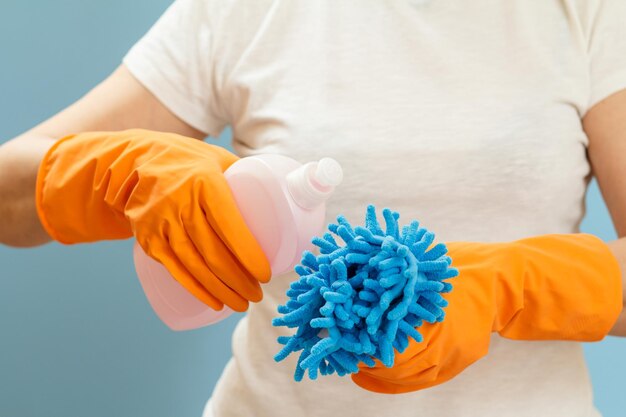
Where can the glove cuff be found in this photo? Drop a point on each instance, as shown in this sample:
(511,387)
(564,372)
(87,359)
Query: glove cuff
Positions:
(66,207)
(562,287)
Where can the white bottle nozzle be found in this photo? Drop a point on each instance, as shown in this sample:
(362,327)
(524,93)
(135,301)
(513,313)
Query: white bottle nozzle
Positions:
(312,183)
(328,172)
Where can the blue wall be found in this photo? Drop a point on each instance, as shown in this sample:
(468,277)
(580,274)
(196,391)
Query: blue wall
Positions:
(78,336)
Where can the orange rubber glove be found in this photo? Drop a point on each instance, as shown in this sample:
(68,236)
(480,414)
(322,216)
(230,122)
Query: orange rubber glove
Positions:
(552,287)
(168,191)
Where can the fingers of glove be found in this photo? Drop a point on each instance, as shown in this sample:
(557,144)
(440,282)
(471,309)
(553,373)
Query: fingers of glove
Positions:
(392,383)
(412,351)
(168,258)
(219,259)
(432,363)
(420,374)
(223,216)
(185,251)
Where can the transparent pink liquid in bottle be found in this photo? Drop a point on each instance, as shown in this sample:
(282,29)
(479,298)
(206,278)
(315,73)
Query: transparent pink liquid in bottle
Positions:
(283,205)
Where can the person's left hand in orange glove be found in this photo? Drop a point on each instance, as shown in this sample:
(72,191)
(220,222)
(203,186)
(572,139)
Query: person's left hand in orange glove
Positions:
(170,193)
(552,287)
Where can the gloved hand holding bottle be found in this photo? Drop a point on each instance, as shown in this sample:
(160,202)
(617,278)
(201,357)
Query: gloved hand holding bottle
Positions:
(283,204)
(168,191)
(551,287)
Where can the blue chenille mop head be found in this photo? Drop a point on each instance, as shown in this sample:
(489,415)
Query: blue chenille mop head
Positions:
(359,301)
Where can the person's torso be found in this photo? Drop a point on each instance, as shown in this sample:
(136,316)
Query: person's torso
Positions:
(462,115)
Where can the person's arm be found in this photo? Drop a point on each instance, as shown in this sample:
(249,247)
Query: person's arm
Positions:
(120,102)
(605,124)
(549,287)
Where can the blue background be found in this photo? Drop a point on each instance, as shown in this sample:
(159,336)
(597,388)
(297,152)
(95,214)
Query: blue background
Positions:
(78,336)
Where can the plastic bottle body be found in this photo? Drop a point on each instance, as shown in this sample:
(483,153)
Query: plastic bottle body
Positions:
(282,227)
(172,303)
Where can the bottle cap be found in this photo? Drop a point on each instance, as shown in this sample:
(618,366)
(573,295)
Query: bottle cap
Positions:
(311,184)
(328,172)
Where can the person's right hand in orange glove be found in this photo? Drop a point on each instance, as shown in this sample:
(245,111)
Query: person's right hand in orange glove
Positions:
(170,193)
(552,287)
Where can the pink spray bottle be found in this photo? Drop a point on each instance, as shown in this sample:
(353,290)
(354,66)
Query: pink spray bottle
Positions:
(283,204)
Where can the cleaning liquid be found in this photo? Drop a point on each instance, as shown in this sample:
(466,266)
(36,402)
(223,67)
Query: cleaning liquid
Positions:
(283,205)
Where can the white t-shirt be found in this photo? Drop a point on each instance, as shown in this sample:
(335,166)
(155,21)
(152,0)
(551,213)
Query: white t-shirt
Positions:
(463,115)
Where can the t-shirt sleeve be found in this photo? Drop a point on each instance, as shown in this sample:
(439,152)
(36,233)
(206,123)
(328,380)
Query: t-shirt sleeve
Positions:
(174,61)
(607,49)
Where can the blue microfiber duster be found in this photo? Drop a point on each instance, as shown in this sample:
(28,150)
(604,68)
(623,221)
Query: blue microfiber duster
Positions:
(361,300)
